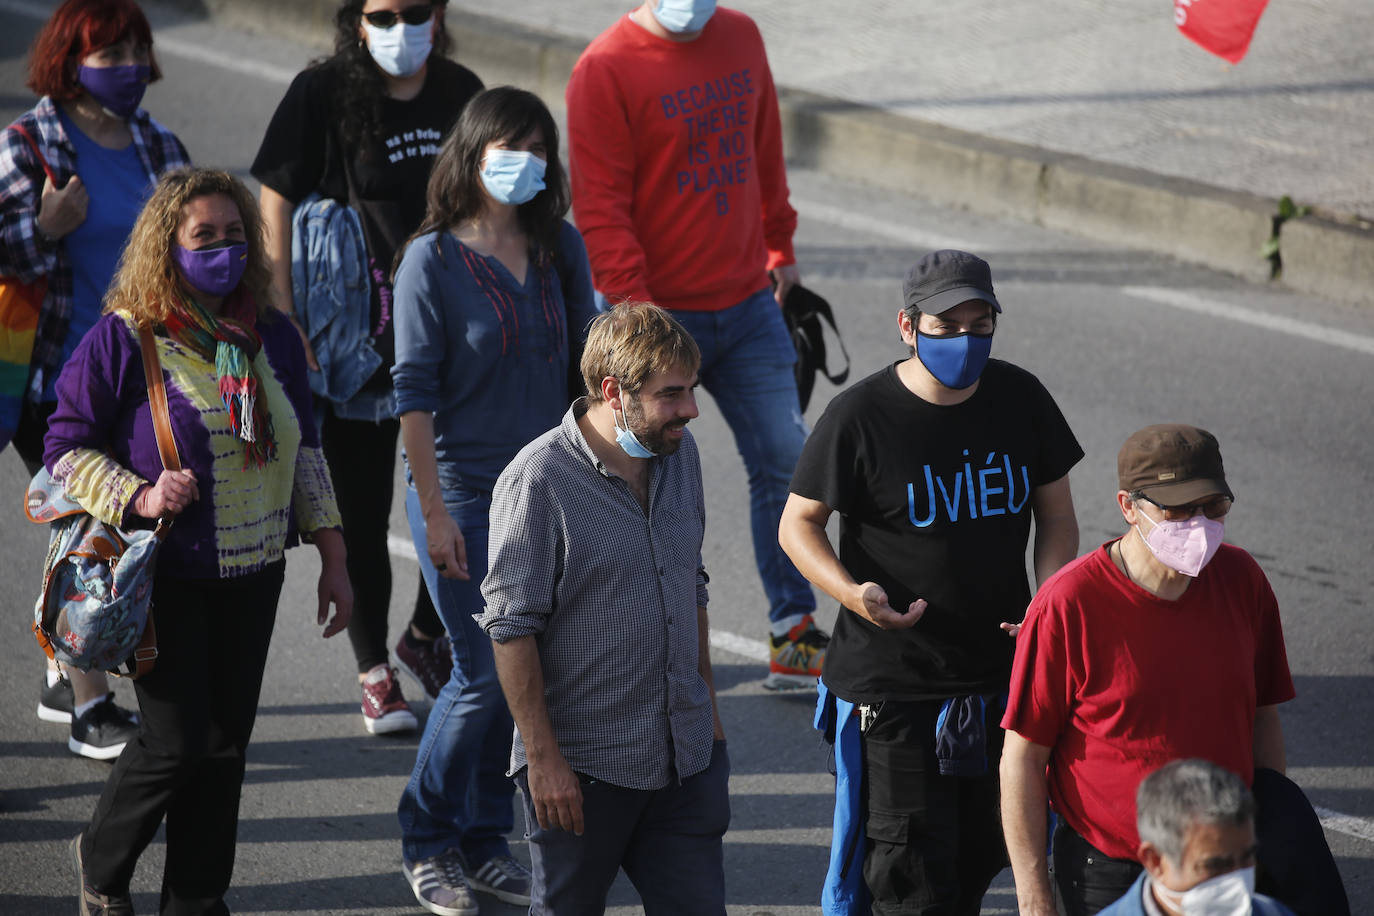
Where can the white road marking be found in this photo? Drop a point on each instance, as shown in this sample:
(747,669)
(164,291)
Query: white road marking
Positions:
(896,232)
(1361,828)
(1202,306)
(245,66)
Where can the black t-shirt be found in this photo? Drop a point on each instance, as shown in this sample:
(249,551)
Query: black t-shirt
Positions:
(303,151)
(935,503)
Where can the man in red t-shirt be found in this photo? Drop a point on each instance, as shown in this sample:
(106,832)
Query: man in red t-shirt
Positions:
(680,191)
(1159,645)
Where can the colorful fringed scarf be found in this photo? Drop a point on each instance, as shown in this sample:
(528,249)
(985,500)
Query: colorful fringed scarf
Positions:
(230,340)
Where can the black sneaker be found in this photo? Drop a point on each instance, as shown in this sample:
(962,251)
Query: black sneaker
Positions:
(103,730)
(91,903)
(55,702)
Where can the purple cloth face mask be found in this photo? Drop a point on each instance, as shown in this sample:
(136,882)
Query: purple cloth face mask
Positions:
(215,269)
(117,89)
(1185,546)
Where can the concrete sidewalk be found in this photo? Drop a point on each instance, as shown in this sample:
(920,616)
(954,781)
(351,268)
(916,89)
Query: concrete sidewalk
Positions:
(1099,119)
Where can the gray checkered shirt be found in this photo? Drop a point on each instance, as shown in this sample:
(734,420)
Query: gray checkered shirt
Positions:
(611,597)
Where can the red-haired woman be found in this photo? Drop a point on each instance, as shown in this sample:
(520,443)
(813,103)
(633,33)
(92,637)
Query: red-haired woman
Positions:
(89,65)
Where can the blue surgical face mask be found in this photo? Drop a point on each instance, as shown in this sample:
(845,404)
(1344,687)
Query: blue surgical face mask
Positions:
(956,360)
(512,176)
(402,49)
(627,440)
(680,16)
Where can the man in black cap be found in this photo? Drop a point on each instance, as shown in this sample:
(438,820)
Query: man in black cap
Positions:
(937,465)
(1161,644)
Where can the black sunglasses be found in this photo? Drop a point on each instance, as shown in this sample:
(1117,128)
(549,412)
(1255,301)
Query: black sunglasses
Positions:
(1214,508)
(411,15)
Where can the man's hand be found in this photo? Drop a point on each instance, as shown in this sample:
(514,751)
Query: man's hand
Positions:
(1011,629)
(556,795)
(62,210)
(871,601)
(784,278)
(446,547)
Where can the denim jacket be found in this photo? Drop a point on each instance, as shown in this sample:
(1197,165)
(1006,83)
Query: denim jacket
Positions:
(333,298)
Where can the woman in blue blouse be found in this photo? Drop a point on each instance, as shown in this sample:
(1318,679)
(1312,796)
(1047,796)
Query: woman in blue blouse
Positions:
(493,296)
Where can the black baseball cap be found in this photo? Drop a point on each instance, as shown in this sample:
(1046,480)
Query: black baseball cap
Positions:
(943,279)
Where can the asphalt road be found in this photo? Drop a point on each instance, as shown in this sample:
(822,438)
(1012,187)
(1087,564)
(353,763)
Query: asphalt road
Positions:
(1122,339)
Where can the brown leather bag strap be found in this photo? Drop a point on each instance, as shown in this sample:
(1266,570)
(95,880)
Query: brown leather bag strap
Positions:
(157,401)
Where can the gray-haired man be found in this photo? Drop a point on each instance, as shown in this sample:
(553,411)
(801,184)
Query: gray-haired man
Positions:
(1197,843)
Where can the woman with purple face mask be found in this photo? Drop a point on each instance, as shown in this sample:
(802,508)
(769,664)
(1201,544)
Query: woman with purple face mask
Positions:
(253,479)
(90,65)
(355,135)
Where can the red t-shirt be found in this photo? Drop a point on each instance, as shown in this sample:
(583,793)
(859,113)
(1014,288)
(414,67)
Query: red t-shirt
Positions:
(1119,682)
(678,182)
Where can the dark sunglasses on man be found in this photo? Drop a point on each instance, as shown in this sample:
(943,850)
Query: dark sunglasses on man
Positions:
(1213,508)
(411,15)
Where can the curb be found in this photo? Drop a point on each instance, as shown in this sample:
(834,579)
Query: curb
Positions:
(1330,256)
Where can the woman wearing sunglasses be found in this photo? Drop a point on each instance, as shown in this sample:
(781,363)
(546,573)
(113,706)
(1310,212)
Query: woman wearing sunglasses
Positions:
(90,65)
(360,129)
(493,296)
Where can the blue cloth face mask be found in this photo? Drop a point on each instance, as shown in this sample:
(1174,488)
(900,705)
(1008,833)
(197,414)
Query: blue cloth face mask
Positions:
(402,49)
(679,16)
(627,440)
(956,360)
(512,176)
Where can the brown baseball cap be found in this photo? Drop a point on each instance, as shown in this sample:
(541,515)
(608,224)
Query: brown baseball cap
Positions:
(1172,464)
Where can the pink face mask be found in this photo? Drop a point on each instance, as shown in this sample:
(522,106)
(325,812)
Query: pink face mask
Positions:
(1184,546)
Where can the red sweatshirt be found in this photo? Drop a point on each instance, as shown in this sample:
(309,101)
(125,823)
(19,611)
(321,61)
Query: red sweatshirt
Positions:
(678,182)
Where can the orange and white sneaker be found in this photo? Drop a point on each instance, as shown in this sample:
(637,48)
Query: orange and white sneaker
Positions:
(796,658)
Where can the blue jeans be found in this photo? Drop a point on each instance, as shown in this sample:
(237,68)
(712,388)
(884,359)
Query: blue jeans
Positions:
(668,841)
(746,364)
(459,796)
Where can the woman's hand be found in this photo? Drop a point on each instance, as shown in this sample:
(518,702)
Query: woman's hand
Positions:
(173,492)
(445,545)
(62,210)
(334,586)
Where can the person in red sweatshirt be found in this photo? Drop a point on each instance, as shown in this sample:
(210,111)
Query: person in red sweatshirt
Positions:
(680,191)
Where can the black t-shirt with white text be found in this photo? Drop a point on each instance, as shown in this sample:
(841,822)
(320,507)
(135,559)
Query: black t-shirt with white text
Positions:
(935,503)
(303,151)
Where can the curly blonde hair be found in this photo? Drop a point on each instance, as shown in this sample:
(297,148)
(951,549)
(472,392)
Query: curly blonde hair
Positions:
(148,281)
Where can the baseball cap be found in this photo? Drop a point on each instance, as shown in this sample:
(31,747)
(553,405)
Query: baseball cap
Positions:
(943,279)
(1172,464)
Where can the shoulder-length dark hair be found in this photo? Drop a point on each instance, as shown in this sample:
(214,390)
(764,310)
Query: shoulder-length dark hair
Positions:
(358,107)
(455,193)
(78,28)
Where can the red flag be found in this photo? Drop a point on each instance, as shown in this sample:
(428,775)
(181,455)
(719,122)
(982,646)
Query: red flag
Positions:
(1223,27)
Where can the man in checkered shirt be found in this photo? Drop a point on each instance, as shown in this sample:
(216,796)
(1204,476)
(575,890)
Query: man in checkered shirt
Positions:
(596,599)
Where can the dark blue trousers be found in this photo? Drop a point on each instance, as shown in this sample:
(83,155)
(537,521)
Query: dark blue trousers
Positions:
(668,841)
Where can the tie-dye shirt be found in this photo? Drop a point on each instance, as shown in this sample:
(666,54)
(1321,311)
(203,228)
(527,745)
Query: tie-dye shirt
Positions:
(101,445)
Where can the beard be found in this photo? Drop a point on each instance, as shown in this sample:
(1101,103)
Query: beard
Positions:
(654,438)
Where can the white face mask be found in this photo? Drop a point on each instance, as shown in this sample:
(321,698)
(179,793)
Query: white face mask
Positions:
(402,49)
(1224,895)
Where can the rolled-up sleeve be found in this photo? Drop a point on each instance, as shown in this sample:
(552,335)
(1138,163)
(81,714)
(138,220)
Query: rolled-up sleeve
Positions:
(524,551)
